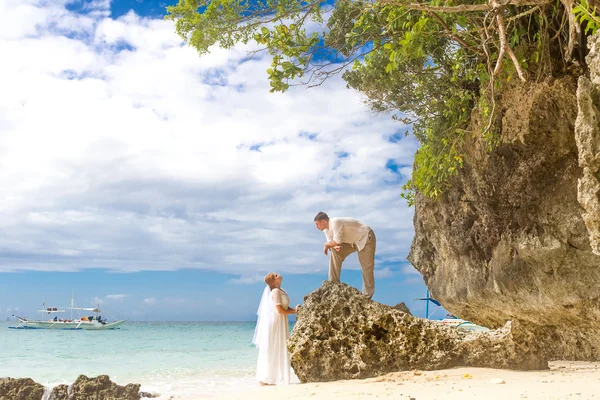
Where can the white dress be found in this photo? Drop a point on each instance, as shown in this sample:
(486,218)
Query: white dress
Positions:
(273,366)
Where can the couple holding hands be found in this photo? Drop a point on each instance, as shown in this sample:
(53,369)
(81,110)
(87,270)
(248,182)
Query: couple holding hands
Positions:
(344,236)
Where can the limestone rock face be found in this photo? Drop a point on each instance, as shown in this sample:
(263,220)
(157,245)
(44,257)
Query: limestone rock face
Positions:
(20,389)
(517,236)
(340,334)
(587,135)
(98,388)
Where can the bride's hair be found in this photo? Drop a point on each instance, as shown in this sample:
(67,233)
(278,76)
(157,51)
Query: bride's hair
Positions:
(269,279)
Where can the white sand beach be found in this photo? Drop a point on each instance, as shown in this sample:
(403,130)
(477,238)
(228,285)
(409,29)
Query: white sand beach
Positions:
(564,380)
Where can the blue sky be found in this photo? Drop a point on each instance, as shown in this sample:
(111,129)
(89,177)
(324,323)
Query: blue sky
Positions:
(164,186)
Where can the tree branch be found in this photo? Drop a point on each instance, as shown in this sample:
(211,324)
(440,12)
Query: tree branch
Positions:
(449,31)
(574,28)
(504,47)
(462,7)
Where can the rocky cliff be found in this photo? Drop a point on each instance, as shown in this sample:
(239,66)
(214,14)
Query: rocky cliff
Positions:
(517,237)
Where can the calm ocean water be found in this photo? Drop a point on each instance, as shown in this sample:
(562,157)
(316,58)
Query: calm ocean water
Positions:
(179,359)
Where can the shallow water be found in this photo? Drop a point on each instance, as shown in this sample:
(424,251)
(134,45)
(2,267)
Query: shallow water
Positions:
(180,359)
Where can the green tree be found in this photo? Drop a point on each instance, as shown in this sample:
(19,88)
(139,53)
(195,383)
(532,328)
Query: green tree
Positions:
(430,63)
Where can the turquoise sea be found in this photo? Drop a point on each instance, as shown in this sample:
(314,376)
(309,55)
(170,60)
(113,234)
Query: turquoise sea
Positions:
(176,359)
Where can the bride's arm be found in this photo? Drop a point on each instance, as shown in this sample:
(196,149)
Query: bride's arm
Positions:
(289,310)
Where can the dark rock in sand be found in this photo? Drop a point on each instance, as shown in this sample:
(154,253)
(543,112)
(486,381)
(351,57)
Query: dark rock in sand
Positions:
(340,334)
(20,389)
(149,395)
(98,388)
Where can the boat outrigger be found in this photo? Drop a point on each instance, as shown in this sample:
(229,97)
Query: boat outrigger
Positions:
(91,322)
(452,320)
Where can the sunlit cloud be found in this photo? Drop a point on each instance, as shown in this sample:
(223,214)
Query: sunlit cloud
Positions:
(124,150)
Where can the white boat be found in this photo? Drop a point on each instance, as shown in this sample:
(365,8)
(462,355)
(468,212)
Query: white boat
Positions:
(90,322)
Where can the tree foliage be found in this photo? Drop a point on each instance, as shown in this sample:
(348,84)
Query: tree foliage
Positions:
(430,63)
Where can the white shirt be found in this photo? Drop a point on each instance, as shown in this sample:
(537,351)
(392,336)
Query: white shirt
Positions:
(347,230)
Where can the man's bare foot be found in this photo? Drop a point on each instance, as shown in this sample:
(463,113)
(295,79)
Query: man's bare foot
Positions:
(263,384)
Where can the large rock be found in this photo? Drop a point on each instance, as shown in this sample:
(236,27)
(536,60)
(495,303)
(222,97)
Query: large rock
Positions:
(98,388)
(340,334)
(20,389)
(516,237)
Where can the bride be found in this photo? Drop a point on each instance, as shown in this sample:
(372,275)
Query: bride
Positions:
(271,333)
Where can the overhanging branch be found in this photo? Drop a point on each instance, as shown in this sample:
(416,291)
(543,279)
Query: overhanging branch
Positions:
(462,7)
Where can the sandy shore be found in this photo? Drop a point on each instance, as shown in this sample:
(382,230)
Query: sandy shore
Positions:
(564,380)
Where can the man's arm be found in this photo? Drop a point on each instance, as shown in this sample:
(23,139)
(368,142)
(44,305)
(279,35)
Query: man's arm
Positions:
(331,244)
(334,240)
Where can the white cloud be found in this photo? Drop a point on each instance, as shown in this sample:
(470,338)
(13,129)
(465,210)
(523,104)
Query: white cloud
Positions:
(248,279)
(98,301)
(219,300)
(383,273)
(124,150)
(150,300)
(116,296)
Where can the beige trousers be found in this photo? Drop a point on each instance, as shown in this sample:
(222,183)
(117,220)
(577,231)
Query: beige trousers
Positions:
(366,258)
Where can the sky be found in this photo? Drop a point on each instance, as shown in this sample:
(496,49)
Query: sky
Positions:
(164,186)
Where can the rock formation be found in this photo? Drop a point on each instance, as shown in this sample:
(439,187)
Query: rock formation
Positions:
(340,334)
(20,389)
(84,388)
(517,236)
(98,388)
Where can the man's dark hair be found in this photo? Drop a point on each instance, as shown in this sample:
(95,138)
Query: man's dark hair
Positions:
(321,216)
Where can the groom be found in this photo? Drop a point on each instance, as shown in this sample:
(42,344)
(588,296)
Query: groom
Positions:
(345,236)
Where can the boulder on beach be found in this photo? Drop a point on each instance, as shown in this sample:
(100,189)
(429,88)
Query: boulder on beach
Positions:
(341,334)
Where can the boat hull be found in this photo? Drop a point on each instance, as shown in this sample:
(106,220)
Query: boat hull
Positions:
(75,325)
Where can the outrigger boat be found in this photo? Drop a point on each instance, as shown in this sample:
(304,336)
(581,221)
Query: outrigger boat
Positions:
(91,322)
(451,321)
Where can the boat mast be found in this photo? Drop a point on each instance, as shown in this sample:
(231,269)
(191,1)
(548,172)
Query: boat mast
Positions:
(72,302)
